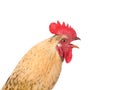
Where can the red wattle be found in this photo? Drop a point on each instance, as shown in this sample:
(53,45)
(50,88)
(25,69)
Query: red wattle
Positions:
(68,55)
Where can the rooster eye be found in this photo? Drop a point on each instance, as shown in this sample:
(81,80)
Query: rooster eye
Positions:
(63,40)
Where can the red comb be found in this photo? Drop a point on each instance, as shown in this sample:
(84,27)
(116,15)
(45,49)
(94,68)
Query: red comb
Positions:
(62,29)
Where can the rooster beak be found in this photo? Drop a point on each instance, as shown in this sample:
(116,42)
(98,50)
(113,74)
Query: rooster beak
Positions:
(75,46)
(77,38)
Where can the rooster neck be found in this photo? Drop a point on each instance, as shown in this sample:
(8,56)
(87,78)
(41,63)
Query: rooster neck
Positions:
(39,68)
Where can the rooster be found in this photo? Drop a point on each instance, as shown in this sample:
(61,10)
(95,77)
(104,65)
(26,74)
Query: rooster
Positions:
(40,67)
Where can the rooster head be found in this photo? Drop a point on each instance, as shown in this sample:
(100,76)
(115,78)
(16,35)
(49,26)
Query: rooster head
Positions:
(64,46)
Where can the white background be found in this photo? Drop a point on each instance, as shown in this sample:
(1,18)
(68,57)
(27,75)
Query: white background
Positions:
(95,66)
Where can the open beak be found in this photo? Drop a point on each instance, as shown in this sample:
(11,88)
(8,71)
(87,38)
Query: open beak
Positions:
(75,46)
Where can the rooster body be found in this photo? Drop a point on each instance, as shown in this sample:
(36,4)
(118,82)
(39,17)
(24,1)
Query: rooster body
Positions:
(40,67)
(35,70)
